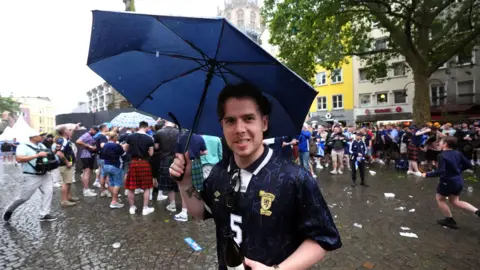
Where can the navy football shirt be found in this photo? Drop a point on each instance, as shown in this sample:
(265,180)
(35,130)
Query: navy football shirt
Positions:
(279,206)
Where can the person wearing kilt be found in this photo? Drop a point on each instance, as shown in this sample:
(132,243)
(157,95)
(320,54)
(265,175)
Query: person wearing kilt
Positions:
(140,146)
(415,140)
(196,149)
(165,143)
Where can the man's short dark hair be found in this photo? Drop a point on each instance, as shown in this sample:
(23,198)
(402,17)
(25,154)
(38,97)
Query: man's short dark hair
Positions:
(102,127)
(450,141)
(242,90)
(159,125)
(143,124)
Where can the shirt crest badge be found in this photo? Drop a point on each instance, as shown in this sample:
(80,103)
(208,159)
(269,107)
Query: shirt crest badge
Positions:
(266,203)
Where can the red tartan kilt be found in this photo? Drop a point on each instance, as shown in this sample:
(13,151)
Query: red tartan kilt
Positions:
(139,175)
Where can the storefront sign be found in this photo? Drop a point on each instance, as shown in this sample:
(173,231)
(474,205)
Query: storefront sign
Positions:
(386,110)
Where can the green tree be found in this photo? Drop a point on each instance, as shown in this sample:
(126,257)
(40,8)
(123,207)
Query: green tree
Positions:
(129,5)
(426,33)
(8,104)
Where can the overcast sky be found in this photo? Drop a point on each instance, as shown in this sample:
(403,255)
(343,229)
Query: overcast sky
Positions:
(44,44)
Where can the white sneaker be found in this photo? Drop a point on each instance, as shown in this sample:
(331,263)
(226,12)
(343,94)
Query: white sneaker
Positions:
(326,165)
(116,205)
(381,162)
(418,174)
(468,171)
(172,208)
(89,193)
(314,175)
(320,167)
(147,211)
(340,172)
(161,197)
(106,193)
(138,191)
(182,217)
(472,162)
(410,172)
(333,172)
(150,198)
(57,185)
(132,210)
(126,192)
(478,162)
(96,184)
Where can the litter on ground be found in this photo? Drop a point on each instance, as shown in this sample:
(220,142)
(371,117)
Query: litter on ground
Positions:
(408,234)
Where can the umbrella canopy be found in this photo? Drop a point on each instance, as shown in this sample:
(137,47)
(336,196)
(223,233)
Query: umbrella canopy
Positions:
(7,134)
(131,120)
(179,65)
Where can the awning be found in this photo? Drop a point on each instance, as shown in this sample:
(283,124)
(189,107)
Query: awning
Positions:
(452,108)
(383,117)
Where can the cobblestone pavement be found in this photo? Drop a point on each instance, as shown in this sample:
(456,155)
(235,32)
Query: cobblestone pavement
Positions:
(83,235)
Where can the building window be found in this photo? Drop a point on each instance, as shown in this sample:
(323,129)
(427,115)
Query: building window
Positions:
(363,73)
(381,44)
(337,101)
(253,20)
(240,18)
(382,98)
(321,78)
(399,69)
(465,92)
(399,97)
(337,76)
(465,58)
(365,100)
(438,95)
(321,103)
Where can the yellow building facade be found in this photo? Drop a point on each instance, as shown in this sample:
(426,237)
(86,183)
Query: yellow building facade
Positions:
(38,112)
(335,99)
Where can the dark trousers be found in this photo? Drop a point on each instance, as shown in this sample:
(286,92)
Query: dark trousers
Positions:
(361,168)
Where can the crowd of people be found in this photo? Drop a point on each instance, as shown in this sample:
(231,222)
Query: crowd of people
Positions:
(136,159)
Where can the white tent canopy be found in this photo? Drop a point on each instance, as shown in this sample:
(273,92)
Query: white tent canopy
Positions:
(7,134)
(21,130)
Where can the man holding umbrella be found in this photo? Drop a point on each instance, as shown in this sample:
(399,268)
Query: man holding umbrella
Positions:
(266,201)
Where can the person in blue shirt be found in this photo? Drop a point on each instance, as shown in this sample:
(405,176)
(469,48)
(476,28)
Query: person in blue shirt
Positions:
(273,207)
(111,154)
(451,165)
(304,153)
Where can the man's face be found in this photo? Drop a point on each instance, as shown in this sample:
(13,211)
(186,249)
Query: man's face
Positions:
(92,131)
(37,139)
(243,126)
(464,125)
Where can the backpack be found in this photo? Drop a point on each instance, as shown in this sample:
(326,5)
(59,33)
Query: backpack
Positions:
(44,164)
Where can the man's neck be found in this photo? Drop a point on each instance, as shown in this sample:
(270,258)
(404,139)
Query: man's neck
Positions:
(244,162)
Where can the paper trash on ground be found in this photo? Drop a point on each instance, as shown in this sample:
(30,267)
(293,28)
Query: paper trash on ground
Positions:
(408,234)
(400,208)
(411,210)
(372,172)
(389,195)
(116,245)
(358,225)
(405,228)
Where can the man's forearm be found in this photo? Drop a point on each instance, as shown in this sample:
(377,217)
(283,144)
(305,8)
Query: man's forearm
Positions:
(306,255)
(193,200)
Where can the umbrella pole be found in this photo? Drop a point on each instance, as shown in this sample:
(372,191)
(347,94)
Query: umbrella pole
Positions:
(198,114)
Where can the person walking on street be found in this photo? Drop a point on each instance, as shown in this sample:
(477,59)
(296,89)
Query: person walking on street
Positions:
(451,165)
(358,151)
(27,154)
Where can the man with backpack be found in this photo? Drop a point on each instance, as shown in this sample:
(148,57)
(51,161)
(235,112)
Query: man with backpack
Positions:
(37,160)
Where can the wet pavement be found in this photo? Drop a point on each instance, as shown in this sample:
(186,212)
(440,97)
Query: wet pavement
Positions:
(83,236)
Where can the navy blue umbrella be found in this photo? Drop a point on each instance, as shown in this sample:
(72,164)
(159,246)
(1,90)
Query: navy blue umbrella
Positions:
(175,67)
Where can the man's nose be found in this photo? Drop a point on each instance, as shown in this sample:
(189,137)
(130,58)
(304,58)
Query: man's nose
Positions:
(240,126)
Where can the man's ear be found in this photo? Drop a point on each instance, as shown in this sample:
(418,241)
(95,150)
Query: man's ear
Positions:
(265,121)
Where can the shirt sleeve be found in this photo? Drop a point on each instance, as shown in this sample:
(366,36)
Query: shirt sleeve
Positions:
(207,196)
(21,150)
(203,146)
(441,168)
(314,219)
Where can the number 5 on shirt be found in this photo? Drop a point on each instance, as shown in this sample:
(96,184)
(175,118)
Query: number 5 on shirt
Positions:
(235,221)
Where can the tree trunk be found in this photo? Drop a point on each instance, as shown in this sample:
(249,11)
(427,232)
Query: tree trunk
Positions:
(421,100)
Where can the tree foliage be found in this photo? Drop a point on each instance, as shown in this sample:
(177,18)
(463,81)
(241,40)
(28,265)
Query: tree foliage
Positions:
(426,33)
(129,5)
(8,104)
